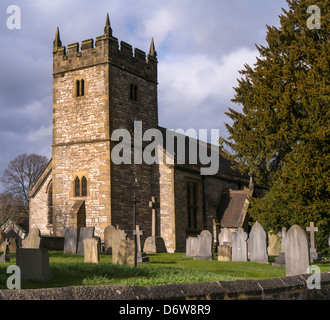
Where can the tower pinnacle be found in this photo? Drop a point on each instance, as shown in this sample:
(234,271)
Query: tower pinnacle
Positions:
(107,28)
(152,51)
(57,42)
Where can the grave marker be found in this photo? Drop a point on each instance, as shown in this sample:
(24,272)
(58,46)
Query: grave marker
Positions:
(239,246)
(70,241)
(314,254)
(258,244)
(296,251)
(91,250)
(204,251)
(84,233)
(117,236)
(127,253)
(108,235)
(4,257)
(32,241)
(141,257)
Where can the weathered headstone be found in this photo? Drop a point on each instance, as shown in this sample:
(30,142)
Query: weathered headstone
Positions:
(280,260)
(225,237)
(224,252)
(118,235)
(274,244)
(127,253)
(329,241)
(140,256)
(13,245)
(191,246)
(91,250)
(313,252)
(296,251)
(84,233)
(239,246)
(204,251)
(155,243)
(108,234)
(70,241)
(34,264)
(4,257)
(258,244)
(32,241)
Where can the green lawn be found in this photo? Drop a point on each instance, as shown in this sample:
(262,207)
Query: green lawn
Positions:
(70,270)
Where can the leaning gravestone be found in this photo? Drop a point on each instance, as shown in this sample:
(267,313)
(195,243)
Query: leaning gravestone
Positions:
(258,244)
(85,232)
(239,247)
(225,237)
(108,234)
(118,235)
(296,251)
(204,251)
(34,264)
(127,253)
(32,241)
(70,241)
(91,250)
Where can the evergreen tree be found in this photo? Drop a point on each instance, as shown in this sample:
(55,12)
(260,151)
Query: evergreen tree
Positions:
(281,137)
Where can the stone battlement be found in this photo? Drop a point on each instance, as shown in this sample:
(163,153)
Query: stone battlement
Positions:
(106,49)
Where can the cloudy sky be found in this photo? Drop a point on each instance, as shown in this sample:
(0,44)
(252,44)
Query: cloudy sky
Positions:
(201,45)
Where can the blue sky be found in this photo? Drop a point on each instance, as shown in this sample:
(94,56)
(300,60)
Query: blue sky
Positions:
(201,45)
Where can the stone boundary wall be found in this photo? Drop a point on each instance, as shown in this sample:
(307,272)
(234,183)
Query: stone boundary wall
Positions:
(288,288)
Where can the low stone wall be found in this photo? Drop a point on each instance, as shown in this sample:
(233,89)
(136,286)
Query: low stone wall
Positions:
(288,288)
(52,243)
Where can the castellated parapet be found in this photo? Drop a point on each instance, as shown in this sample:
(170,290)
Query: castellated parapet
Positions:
(105,50)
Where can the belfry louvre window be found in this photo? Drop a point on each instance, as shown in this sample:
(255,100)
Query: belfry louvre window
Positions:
(80,88)
(192,204)
(133,92)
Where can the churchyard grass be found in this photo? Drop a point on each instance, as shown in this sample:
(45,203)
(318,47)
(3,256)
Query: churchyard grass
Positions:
(163,268)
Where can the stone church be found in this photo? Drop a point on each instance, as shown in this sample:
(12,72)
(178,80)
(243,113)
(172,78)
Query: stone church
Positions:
(99,87)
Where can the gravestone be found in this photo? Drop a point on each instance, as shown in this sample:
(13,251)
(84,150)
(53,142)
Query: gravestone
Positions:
(258,244)
(280,260)
(140,256)
(117,236)
(84,233)
(239,246)
(296,251)
(329,241)
(155,243)
(108,234)
(70,241)
(191,246)
(225,237)
(34,264)
(32,241)
(313,252)
(13,245)
(91,250)
(224,252)
(274,244)
(127,253)
(204,251)
(4,257)
(2,240)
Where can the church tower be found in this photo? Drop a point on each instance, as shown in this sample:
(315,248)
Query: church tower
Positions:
(98,88)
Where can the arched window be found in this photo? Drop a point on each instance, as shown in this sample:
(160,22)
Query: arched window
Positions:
(84,187)
(82,87)
(78,88)
(133,92)
(77,187)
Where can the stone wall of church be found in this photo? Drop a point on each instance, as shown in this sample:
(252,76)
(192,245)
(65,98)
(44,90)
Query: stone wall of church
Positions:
(38,208)
(213,187)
